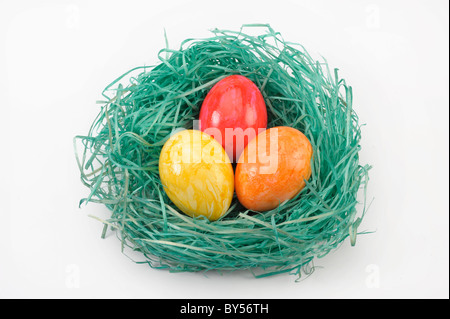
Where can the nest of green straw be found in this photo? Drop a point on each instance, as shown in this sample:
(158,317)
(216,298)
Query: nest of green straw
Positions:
(118,159)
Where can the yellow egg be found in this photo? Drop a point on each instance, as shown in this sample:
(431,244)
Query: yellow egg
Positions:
(196,174)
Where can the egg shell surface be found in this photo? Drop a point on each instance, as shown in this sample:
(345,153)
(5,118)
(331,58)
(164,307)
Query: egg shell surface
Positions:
(273,168)
(197,174)
(233,112)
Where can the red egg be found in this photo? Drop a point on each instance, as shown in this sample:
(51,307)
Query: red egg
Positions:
(233,112)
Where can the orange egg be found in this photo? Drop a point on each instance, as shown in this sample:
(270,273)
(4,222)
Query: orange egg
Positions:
(273,168)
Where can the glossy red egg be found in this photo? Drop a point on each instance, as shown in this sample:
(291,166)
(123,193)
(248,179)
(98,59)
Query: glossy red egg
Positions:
(233,112)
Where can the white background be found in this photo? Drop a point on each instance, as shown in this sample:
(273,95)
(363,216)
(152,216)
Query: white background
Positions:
(57,56)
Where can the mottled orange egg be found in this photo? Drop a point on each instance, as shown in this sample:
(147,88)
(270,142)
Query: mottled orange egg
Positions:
(273,168)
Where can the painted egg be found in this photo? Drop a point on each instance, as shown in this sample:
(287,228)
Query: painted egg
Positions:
(273,168)
(233,112)
(196,174)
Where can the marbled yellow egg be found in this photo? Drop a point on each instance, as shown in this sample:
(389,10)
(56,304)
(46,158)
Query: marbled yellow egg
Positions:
(196,174)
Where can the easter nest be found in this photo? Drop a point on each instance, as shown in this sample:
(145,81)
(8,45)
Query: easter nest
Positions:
(118,158)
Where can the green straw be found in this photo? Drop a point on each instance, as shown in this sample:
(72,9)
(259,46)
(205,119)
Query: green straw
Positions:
(118,158)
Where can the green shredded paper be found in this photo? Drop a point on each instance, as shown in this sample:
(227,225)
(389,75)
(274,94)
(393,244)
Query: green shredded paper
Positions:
(118,158)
